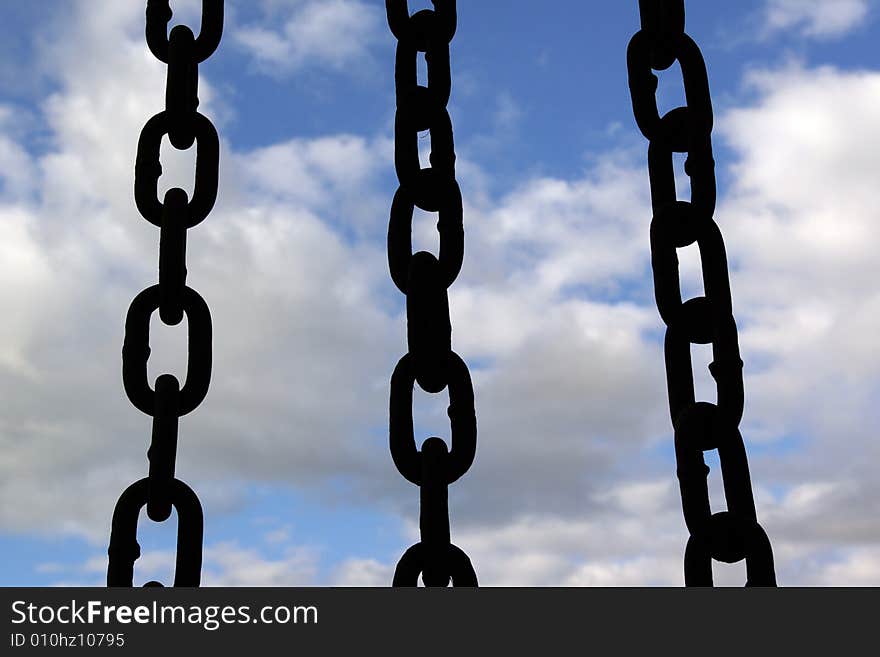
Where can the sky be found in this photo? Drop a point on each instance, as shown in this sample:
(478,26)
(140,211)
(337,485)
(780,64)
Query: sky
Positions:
(574,479)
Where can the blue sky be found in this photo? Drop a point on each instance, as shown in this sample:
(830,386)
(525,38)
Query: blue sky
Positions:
(574,481)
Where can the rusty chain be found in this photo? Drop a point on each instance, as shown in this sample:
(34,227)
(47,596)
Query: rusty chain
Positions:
(733,535)
(161,492)
(425,280)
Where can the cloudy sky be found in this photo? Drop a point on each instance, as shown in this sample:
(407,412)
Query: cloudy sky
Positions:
(574,481)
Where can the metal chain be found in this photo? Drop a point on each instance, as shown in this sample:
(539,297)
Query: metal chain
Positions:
(425,280)
(735,534)
(161,491)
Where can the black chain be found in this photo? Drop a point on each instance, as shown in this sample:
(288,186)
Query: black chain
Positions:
(161,491)
(425,280)
(735,534)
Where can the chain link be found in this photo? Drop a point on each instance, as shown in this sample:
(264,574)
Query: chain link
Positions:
(161,492)
(425,280)
(735,534)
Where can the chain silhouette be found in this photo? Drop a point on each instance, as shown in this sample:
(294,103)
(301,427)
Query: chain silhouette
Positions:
(425,280)
(161,491)
(735,534)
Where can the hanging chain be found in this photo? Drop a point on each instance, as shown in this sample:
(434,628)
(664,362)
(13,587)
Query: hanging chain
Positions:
(735,534)
(161,491)
(425,280)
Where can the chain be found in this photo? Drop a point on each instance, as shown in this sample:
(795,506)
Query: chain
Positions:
(425,280)
(735,534)
(167,402)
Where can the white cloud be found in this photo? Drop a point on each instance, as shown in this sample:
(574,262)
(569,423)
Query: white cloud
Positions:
(634,539)
(552,309)
(857,567)
(362,572)
(799,223)
(79,249)
(300,308)
(223,564)
(332,33)
(633,535)
(815,18)
(231,565)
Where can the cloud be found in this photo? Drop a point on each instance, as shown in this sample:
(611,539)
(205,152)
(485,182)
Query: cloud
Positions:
(799,221)
(228,564)
(307,325)
(335,34)
(76,243)
(633,536)
(223,564)
(822,19)
(362,572)
(573,482)
(857,568)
